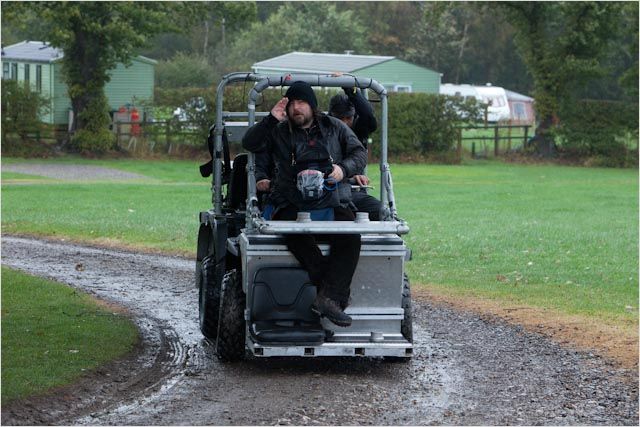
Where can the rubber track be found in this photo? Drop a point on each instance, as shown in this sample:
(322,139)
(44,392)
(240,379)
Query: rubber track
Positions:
(230,345)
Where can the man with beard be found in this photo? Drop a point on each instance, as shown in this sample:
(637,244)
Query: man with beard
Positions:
(312,155)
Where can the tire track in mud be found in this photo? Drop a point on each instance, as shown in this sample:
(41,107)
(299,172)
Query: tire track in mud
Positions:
(132,281)
(467,370)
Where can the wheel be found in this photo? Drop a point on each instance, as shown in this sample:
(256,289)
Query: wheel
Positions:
(406,327)
(209,298)
(230,345)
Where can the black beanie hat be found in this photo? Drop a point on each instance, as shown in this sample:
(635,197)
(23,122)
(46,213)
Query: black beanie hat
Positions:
(341,106)
(302,91)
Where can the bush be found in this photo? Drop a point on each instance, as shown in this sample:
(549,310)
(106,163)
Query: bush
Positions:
(99,141)
(95,136)
(21,110)
(425,125)
(598,131)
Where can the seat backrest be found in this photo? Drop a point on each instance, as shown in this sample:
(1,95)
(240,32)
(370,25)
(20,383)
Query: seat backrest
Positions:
(282,293)
(237,190)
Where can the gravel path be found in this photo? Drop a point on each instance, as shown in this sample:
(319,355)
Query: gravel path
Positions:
(71,172)
(467,370)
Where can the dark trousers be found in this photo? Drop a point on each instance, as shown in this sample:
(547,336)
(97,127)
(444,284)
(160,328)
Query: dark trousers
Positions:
(366,203)
(332,274)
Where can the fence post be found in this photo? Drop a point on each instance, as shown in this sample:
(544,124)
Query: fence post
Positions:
(459,148)
(526,131)
(168,134)
(509,140)
(495,141)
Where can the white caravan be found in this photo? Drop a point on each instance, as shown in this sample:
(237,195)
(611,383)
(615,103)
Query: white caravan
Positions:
(494,96)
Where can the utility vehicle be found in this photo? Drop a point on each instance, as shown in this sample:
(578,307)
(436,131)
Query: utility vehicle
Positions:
(254,297)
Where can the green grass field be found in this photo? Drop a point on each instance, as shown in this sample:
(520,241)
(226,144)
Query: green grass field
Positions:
(52,334)
(556,237)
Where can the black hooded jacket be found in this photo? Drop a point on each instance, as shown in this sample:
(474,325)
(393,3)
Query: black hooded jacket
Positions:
(365,122)
(287,150)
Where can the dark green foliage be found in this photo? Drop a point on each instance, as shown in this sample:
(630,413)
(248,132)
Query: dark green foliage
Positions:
(21,110)
(299,26)
(425,124)
(184,70)
(95,136)
(560,43)
(597,130)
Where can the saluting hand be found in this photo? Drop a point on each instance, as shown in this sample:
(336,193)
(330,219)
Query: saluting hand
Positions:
(279,111)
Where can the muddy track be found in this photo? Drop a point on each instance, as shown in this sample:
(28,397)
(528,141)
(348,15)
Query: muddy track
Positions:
(467,370)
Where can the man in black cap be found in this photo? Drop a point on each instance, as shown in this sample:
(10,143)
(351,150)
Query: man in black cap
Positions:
(312,154)
(355,111)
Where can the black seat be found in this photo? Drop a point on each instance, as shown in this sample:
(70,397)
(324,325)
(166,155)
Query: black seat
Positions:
(280,307)
(237,190)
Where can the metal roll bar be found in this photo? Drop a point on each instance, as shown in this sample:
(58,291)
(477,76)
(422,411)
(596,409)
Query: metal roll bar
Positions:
(254,221)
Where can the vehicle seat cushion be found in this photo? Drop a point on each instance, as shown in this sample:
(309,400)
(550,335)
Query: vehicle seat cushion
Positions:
(283,293)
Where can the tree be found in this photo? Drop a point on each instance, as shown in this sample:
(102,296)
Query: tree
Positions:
(95,37)
(184,70)
(468,43)
(218,19)
(388,25)
(437,40)
(629,78)
(303,26)
(559,43)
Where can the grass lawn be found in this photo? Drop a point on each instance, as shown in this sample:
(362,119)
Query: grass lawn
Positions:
(52,334)
(555,237)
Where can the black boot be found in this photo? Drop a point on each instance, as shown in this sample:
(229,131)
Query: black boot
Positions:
(345,304)
(330,309)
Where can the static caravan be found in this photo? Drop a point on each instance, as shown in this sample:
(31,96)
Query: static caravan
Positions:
(40,65)
(496,97)
(464,91)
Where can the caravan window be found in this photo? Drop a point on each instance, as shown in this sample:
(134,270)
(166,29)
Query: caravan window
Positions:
(494,101)
(519,112)
(5,70)
(402,88)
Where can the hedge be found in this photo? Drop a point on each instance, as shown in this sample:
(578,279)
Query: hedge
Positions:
(418,124)
(21,110)
(599,130)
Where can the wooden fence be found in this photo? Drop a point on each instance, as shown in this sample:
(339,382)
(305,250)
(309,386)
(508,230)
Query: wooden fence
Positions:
(157,136)
(500,138)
